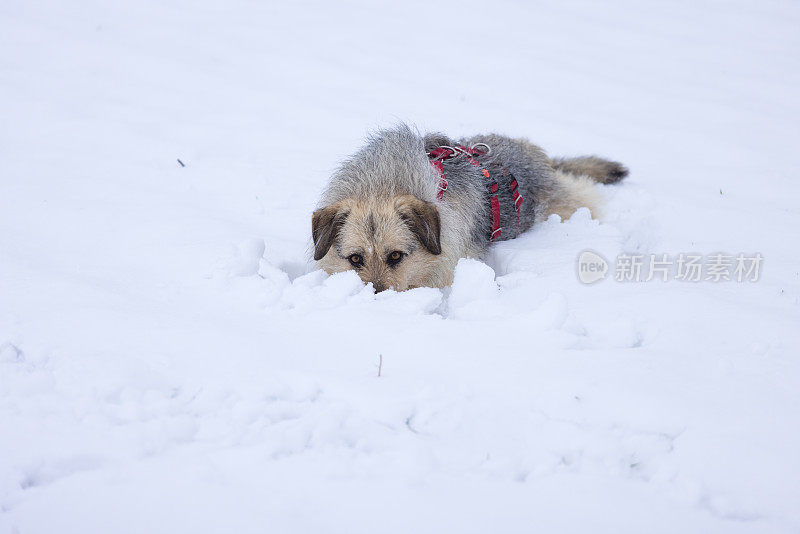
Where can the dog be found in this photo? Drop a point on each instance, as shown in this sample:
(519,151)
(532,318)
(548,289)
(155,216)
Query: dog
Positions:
(405,208)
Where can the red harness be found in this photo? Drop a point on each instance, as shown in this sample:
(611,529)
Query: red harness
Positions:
(443,153)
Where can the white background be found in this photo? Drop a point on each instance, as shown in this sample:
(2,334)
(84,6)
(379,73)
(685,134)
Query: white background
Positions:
(169,361)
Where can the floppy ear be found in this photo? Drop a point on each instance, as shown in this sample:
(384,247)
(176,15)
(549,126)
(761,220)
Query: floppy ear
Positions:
(423,219)
(325,225)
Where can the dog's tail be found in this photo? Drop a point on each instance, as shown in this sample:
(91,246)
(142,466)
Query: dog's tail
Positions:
(598,169)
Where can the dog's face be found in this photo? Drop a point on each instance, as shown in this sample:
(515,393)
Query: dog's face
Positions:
(392,242)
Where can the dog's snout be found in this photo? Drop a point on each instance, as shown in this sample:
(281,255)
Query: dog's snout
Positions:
(378,285)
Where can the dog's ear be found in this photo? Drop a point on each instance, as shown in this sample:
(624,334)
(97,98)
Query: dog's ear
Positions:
(435,140)
(423,219)
(325,225)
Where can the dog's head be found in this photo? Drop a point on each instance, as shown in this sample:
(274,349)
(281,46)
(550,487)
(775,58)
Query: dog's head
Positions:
(391,242)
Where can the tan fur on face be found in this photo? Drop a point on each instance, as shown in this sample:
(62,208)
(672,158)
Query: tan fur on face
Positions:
(374,229)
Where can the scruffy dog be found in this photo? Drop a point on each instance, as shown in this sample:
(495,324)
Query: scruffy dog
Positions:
(405,208)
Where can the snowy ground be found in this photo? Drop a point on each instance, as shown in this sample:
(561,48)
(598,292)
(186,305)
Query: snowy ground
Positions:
(170,363)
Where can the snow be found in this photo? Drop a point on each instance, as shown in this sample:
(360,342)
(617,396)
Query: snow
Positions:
(171,362)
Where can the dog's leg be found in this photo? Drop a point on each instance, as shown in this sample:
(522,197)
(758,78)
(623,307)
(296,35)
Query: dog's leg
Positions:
(575,184)
(571,192)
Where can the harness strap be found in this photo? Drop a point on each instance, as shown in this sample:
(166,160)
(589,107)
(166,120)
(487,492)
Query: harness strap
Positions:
(443,153)
(515,196)
(437,164)
(494,190)
(494,202)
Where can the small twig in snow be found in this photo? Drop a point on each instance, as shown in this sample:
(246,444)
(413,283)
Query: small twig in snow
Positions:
(182,163)
(380,363)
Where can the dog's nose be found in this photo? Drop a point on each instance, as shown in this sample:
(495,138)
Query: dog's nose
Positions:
(378,287)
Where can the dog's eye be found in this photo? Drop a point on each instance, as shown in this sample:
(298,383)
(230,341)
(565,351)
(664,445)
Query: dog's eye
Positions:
(356,260)
(394,258)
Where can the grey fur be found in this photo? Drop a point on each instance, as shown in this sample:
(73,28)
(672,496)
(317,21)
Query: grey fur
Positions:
(394,162)
(602,170)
